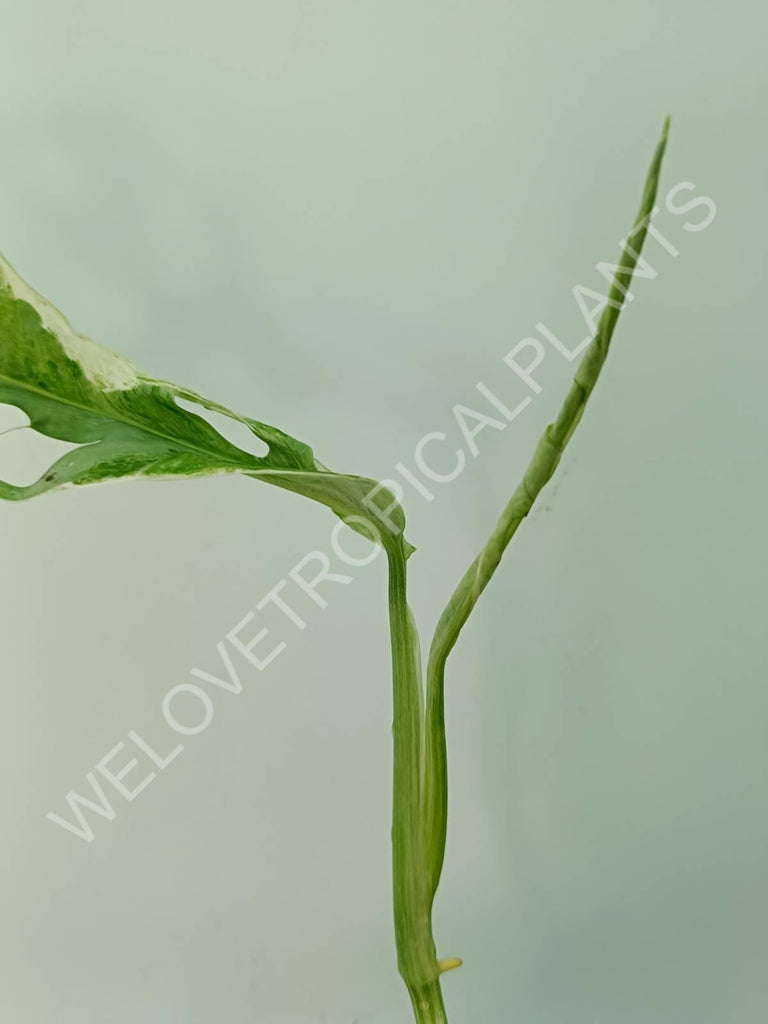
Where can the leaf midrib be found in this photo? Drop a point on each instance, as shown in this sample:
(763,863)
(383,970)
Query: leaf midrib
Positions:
(118,419)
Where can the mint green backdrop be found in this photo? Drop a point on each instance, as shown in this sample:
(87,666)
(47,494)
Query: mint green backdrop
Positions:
(339,217)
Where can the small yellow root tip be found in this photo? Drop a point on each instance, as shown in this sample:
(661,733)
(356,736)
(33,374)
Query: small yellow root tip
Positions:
(450,964)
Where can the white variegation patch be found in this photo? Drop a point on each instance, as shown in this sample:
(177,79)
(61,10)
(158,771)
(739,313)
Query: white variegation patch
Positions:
(103,367)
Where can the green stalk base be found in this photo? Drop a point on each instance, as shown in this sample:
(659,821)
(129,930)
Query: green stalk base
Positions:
(428,1006)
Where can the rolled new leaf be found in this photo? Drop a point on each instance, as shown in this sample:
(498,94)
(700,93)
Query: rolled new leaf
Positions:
(540,470)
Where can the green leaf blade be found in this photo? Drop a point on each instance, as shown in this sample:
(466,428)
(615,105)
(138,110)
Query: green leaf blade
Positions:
(129,424)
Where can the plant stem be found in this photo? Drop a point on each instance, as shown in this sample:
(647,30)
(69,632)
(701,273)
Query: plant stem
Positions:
(416,957)
(428,1006)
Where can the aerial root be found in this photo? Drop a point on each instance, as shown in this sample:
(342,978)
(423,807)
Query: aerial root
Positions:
(449,964)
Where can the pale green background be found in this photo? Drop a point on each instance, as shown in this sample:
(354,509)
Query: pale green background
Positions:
(338,217)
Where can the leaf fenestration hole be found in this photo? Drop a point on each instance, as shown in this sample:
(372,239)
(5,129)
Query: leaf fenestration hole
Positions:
(234,431)
(25,454)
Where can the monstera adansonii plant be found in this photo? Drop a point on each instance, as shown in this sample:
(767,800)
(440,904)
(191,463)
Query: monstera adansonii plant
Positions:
(128,424)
